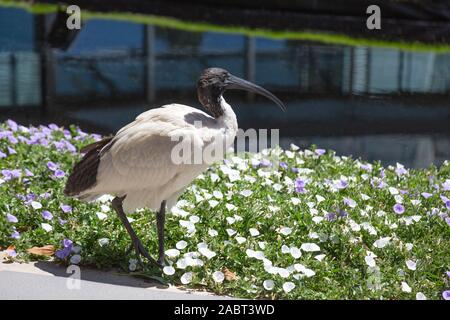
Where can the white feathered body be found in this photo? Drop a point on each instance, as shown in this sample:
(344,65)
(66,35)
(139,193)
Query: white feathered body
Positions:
(140,164)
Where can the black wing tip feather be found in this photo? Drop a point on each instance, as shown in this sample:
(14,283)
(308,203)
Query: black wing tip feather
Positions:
(84,173)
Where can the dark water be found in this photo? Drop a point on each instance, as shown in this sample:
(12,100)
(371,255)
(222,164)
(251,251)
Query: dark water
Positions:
(369,102)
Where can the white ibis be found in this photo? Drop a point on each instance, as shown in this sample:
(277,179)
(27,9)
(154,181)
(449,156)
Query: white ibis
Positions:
(136,165)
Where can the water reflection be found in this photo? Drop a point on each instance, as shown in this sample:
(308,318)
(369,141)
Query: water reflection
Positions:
(375,103)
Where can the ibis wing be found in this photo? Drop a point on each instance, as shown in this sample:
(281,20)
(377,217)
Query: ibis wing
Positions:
(146,155)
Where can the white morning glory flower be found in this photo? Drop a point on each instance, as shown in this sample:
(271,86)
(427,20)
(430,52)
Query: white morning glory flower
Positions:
(46,227)
(288,286)
(420,296)
(285,231)
(103,242)
(295,252)
(186,278)
(319,257)
(213,203)
(382,242)
(411,265)
(230,220)
(36,205)
(181,245)
(310,247)
(406,287)
(268,285)
(253,232)
(218,276)
(169,270)
(101,215)
(212,232)
(285,249)
(246,193)
(240,239)
(172,253)
(217,194)
(370,261)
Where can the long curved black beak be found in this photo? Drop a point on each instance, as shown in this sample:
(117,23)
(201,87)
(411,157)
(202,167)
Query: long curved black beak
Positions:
(234,82)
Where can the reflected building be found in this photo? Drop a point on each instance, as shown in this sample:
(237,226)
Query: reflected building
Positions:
(370,102)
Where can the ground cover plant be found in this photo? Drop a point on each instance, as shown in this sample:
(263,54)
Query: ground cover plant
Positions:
(280,224)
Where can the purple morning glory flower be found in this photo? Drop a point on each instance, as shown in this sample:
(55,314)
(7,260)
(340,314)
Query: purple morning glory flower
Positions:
(443,215)
(13,139)
(52,166)
(62,222)
(11,151)
(343,214)
(96,137)
(283,165)
(67,134)
(295,170)
(66,208)
(16,173)
(341,184)
(331,216)
(53,126)
(59,173)
(59,145)
(11,253)
(447,220)
(45,195)
(28,173)
(448,274)
(398,208)
(320,152)
(12,124)
(265,163)
(446,185)
(377,183)
(15,234)
(70,147)
(62,253)
(2,155)
(47,215)
(382,174)
(11,174)
(444,198)
(349,202)
(11,218)
(6,174)
(426,195)
(300,185)
(67,243)
(447,205)
(446,295)
(400,170)
(366,167)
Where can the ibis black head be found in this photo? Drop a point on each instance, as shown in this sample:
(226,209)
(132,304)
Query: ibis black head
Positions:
(214,81)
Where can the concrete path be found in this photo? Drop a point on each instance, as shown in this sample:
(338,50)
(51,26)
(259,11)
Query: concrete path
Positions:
(47,280)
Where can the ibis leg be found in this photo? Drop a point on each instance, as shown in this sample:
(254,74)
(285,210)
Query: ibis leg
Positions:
(137,244)
(160,220)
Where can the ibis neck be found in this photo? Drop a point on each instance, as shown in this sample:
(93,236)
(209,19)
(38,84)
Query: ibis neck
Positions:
(227,119)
